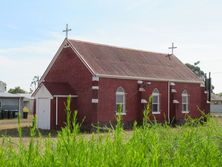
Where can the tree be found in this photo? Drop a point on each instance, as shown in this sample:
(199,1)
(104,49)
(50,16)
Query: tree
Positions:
(219,94)
(35,83)
(16,90)
(196,70)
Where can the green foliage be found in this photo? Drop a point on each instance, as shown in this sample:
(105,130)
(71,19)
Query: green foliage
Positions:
(200,73)
(196,70)
(146,111)
(219,94)
(16,90)
(155,145)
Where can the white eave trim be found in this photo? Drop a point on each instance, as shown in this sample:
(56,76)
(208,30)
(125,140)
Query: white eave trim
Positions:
(53,60)
(47,95)
(145,78)
(81,58)
(66,44)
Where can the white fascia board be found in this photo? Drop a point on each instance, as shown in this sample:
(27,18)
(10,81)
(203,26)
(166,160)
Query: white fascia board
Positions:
(145,78)
(64,45)
(81,58)
(53,60)
(43,92)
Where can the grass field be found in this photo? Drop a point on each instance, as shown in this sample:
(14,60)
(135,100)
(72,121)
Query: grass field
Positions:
(193,144)
(196,143)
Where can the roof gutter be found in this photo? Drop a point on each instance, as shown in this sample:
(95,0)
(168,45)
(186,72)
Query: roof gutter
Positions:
(146,78)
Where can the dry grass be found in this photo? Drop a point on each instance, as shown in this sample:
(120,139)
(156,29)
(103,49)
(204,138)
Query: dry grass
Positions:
(13,123)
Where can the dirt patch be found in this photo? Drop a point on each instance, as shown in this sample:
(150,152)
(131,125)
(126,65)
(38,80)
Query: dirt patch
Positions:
(9,127)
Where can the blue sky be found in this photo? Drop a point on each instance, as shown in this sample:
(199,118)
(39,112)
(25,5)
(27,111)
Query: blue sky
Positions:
(31,31)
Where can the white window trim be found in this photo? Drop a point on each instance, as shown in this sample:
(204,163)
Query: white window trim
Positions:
(123,113)
(185,94)
(158,104)
(124,101)
(156,112)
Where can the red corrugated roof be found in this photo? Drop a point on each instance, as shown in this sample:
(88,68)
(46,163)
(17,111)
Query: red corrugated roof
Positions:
(124,62)
(59,88)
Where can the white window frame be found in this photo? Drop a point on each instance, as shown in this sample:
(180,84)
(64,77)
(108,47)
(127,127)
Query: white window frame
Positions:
(156,93)
(186,96)
(121,92)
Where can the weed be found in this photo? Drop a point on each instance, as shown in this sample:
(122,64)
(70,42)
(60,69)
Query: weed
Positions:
(158,145)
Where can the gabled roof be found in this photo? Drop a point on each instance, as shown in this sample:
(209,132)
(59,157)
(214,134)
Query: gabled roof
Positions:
(59,88)
(116,62)
(50,89)
(10,95)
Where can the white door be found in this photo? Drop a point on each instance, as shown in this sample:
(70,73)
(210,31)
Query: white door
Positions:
(43,113)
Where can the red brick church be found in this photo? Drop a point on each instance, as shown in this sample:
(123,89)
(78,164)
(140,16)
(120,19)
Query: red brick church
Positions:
(101,77)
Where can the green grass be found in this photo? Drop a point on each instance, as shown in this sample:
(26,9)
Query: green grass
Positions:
(193,144)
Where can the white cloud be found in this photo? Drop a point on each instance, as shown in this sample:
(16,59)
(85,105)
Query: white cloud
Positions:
(18,65)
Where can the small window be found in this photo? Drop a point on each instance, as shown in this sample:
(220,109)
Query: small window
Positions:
(155,101)
(120,100)
(185,101)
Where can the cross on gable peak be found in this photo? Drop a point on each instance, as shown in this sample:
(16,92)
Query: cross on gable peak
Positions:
(67,30)
(172,48)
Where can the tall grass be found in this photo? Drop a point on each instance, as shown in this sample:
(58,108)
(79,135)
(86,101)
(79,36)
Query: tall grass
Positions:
(156,145)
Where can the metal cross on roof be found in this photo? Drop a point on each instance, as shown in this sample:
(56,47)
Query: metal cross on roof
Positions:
(172,48)
(67,30)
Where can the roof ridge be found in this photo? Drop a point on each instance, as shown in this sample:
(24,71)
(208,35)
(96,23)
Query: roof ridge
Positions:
(115,46)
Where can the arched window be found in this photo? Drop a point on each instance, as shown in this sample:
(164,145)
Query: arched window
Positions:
(185,101)
(155,101)
(120,100)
